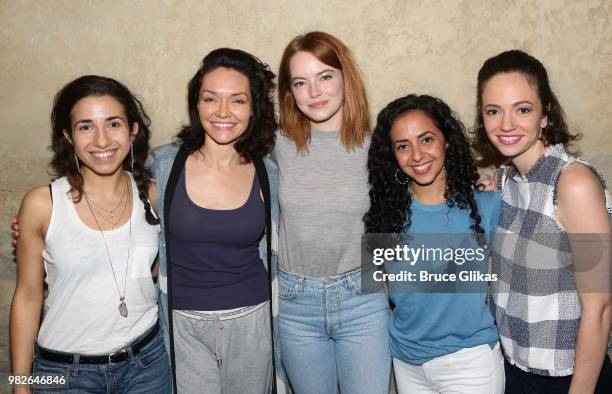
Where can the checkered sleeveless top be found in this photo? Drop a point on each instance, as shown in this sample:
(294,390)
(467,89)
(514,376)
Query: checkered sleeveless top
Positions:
(537,307)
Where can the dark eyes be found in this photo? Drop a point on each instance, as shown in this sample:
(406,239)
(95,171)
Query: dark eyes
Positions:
(427,140)
(212,99)
(85,127)
(524,110)
(520,110)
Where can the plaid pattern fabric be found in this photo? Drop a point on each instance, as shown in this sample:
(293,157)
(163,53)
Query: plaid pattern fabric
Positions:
(537,308)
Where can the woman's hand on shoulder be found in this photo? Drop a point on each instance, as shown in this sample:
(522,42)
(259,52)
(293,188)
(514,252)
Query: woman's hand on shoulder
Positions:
(486,182)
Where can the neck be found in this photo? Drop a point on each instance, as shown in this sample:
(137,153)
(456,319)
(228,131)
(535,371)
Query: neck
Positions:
(431,194)
(220,155)
(103,186)
(527,159)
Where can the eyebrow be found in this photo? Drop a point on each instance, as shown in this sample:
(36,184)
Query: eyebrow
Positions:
(106,120)
(418,136)
(513,104)
(319,73)
(215,93)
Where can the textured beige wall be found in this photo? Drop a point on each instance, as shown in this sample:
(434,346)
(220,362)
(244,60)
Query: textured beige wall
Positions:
(154,47)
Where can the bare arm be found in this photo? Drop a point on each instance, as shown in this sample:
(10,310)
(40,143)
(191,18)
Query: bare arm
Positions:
(582,210)
(34,215)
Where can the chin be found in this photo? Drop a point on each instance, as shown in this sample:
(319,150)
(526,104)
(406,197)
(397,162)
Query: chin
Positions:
(509,151)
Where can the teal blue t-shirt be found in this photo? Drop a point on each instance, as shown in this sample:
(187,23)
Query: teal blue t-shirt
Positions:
(426,325)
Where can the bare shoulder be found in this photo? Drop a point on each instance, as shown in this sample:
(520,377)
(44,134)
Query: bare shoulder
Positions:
(36,207)
(579,182)
(581,201)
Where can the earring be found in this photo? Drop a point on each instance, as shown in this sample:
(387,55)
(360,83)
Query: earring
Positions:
(132,155)
(397,179)
(76,160)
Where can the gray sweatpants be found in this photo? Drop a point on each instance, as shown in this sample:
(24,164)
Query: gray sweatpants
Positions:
(223,353)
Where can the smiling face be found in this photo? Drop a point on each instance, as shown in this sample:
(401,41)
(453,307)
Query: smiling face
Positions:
(318,90)
(224,105)
(419,148)
(100,134)
(513,118)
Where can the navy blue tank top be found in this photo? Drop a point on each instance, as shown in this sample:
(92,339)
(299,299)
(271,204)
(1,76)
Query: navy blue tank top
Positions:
(215,253)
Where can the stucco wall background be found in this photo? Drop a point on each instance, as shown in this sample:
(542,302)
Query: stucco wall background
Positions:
(154,47)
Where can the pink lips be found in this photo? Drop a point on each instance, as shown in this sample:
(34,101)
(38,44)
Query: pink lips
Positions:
(318,104)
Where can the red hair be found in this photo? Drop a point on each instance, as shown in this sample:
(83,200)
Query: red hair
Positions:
(355,113)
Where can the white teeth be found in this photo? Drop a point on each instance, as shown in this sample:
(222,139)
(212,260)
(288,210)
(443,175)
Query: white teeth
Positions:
(510,139)
(422,167)
(102,155)
(223,125)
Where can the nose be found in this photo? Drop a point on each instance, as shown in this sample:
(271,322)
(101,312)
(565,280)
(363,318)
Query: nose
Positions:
(417,154)
(507,122)
(314,90)
(223,109)
(102,139)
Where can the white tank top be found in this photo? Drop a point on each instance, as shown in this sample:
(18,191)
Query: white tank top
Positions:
(81,308)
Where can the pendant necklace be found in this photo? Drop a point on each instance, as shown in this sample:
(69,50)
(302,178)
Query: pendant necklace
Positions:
(123,310)
(110,212)
(109,221)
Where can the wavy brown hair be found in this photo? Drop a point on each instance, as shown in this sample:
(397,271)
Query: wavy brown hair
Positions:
(258,139)
(63,161)
(556,132)
(355,112)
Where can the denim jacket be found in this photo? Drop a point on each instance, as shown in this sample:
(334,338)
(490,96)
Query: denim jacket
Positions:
(161,162)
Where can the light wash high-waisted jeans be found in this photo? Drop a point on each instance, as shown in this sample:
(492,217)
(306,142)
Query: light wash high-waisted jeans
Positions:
(331,334)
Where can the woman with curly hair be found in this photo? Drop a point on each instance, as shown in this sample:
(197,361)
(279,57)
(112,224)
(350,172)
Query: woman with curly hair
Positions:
(331,332)
(421,174)
(216,194)
(91,237)
(553,302)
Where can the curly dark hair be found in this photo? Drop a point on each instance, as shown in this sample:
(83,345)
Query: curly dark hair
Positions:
(63,161)
(390,201)
(556,132)
(258,139)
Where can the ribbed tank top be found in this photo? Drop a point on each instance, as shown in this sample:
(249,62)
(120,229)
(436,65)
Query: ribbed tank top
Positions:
(215,253)
(80,309)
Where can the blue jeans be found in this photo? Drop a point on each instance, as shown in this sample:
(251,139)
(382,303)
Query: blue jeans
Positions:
(331,334)
(147,372)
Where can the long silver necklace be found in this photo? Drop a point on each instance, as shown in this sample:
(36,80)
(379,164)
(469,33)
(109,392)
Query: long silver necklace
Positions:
(123,310)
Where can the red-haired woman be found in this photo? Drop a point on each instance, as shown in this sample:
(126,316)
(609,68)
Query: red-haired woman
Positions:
(331,332)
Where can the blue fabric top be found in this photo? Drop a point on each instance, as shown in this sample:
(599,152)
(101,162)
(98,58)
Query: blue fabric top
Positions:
(215,253)
(426,325)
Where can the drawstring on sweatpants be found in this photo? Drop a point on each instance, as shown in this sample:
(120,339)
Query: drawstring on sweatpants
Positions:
(219,341)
